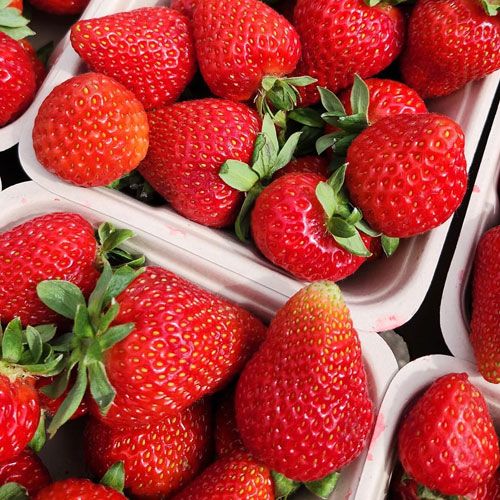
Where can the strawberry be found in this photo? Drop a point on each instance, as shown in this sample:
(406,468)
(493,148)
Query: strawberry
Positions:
(343,37)
(81,489)
(158,459)
(90,130)
(291,228)
(164,343)
(51,406)
(61,7)
(38,65)
(233,476)
(239,43)
(449,44)
(185,6)
(27,470)
(16,4)
(447,441)
(227,437)
(311,164)
(17,85)
(302,403)
(23,355)
(120,46)
(485,330)
(189,143)
(58,246)
(407,173)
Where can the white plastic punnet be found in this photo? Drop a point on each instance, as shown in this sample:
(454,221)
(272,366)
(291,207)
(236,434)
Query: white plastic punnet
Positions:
(406,386)
(382,295)
(27,200)
(48,28)
(483,213)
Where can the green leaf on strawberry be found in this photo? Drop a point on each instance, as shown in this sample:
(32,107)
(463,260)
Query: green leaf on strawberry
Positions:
(12,22)
(284,487)
(323,488)
(13,491)
(491,8)
(115,477)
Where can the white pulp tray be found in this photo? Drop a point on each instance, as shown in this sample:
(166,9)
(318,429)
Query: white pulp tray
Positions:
(383,295)
(48,28)
(63,455)
(482,213)
(406,386)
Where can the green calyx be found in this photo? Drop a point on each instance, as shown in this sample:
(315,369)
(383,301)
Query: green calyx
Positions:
(323,488)
(110,239)
(91,336)
(115,477)
(268,157)
(136,186)
(13,491)
(349,126)
(12,22)
(373,3)
(491,8)
(425,493)
(280,93)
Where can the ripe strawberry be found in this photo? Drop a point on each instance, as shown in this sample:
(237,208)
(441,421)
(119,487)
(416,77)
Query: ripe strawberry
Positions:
(61,7)
(27,470)
(227,437)
(53,246)
(51,406)
(233,476)
(290,227)
(311,164)
(17,85)
(239,42)
(120,46)
(189,143)
(158,459)
(343,37)
(38,65)
(485,329)
(185,6)
(90,130)
(407,173)
(314,413)
(81,489)
(449,44)
(169,343)
(16,4)
(447,441)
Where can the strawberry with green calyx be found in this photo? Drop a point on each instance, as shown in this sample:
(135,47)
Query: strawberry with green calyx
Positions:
(267,159)
(361,106)
(92,335)
(25,355)
(239,43)
(12,22)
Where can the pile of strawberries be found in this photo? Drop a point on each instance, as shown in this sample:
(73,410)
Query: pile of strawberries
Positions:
(22,68)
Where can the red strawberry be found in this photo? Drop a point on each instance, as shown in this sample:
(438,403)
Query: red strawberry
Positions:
(387,97)
(407,173)
(90,131)
(290,227)
(485,324)
(233,476)
(61,7)
(227,437)
(189,143)
(38,66)
(447,441)
(54,246)
(312,164)
(158,459)
(302,403)
(27,470)
(81,489)
(185,6)
(17,84)
(121,47)
(51,406)
(450,42)
(16,4)
(343,37)
(239,42)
